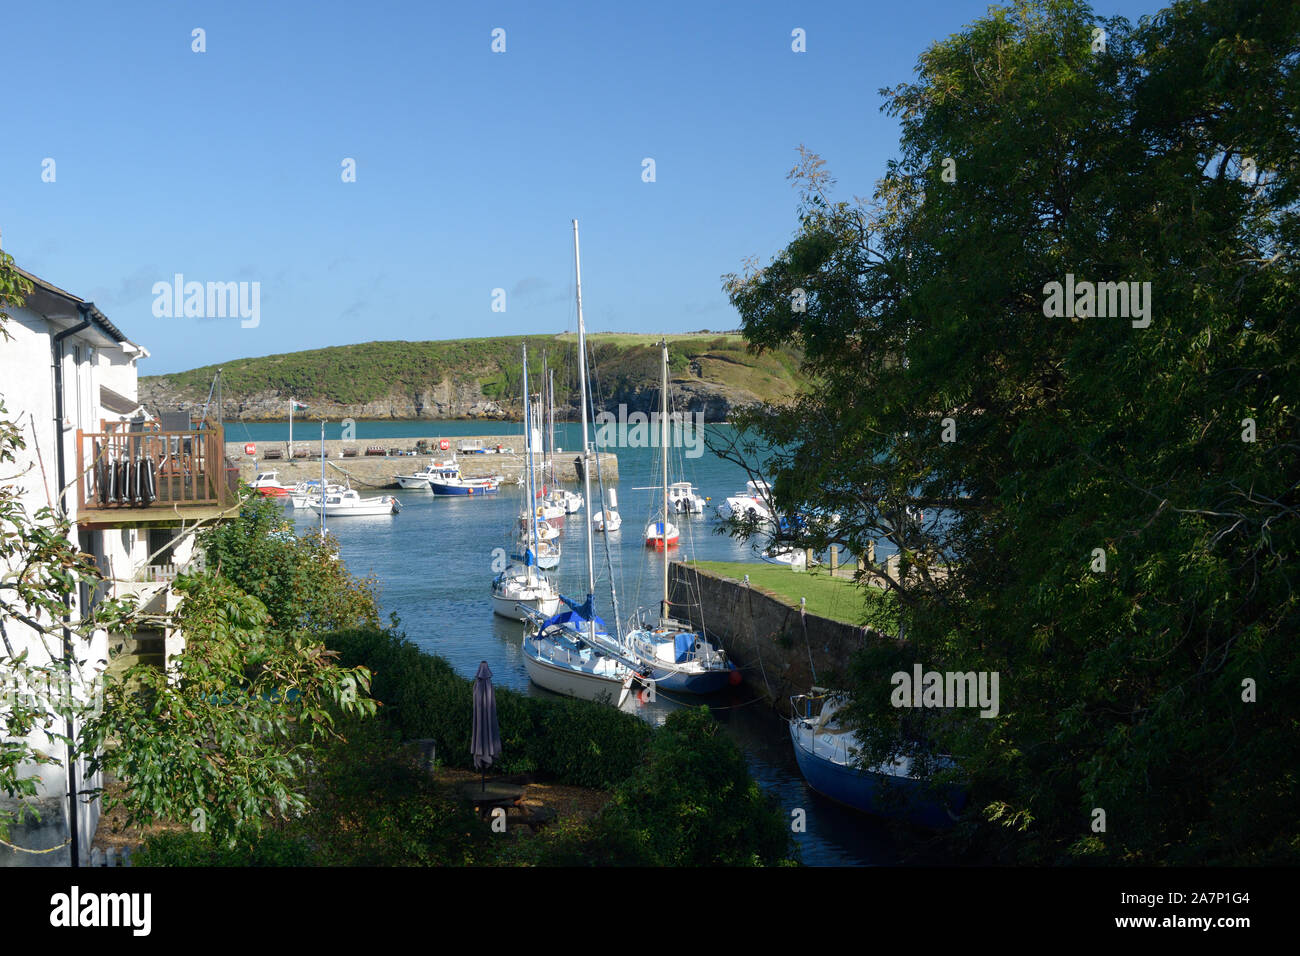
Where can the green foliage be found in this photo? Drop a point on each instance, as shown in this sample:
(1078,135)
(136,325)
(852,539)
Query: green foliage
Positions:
(691,803)
(299,579)
(1122,689)
(572,741)
(373,804)
(223,739)
(191,849)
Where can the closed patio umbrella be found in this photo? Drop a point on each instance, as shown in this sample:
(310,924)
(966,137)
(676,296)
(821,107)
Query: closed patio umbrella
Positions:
(485,743)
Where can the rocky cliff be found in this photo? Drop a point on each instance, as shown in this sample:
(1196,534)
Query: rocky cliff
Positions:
(481,379)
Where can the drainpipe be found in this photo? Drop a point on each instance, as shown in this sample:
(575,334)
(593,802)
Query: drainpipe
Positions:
(56,349)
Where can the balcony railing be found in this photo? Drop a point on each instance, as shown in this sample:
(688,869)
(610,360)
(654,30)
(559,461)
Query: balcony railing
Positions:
(128,466)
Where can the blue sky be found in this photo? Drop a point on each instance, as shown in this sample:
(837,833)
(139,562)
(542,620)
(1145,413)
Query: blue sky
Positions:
(225,165)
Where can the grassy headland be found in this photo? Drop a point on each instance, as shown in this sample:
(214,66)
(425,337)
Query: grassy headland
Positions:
(465,378)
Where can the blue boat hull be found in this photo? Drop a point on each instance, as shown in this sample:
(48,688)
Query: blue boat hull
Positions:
(906,799)
(440,489)
(710,682)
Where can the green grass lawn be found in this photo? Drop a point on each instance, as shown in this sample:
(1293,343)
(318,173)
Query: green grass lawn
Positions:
(836,598)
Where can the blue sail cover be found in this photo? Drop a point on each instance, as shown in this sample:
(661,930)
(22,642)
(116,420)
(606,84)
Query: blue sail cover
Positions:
(683,646)
(572,617)
(584,609)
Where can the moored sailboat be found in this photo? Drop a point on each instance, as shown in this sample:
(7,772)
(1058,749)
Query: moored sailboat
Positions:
(673,654)
(572,653)
(521,591)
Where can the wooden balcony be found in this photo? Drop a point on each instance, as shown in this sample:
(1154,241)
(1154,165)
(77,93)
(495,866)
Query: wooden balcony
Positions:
(144,476)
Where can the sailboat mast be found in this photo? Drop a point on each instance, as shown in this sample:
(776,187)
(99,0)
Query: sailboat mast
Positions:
(586,472)
(663,447)
(528,484)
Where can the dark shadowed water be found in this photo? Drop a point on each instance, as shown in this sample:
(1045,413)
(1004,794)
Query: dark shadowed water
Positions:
(434,564)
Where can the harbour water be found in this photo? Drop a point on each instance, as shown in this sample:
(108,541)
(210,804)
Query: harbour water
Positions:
(434,566)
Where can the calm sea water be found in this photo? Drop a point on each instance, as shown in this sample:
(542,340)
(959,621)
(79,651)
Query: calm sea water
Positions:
(434,560)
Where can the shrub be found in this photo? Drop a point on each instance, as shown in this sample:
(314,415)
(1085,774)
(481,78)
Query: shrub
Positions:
(573,741)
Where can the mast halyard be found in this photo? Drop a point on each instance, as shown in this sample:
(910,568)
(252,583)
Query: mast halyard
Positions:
(586,471)
(529,554)
(663,446)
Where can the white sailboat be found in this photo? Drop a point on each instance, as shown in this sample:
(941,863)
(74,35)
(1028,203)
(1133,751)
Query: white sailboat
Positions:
(672,653)
(608,518)
(521,591)
(572,653)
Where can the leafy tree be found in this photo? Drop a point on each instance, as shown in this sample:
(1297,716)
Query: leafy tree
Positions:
(223,739)
(300,580)
(1167,155)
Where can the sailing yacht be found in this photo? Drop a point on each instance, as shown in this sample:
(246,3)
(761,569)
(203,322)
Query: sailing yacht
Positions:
(522,590)
(573,653)
(608,518)
(673,654)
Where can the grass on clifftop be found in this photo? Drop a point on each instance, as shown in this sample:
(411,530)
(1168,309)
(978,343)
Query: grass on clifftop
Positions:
(838,599)
(625,365)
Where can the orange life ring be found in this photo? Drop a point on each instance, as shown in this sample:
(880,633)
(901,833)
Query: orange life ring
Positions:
(250,449)
(444,445)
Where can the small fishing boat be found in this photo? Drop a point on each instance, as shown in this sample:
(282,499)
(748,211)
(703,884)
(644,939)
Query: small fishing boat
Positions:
(350,503)
(305,492)
(683,499)
(661,535)
(753,501)
(268,483)
(435,470)
(448,481)
(826,751)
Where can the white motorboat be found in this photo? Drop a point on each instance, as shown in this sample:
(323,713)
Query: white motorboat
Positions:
(435,470)
(305,492)
(267,484)
(683,499)
(753,502)
(350,503)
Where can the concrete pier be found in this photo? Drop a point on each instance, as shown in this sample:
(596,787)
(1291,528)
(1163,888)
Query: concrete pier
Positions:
(401,456)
